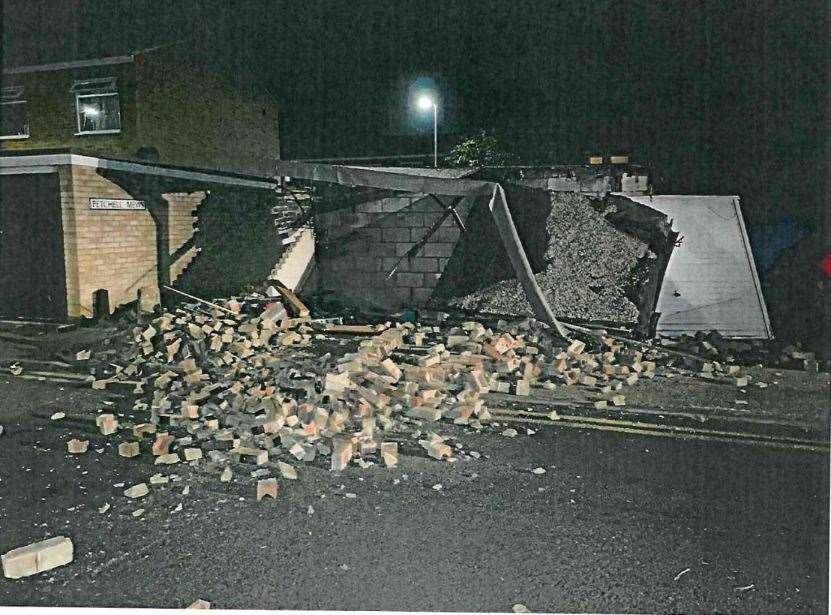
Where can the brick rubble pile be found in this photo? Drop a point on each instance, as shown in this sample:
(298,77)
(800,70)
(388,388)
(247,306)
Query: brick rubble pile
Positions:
(242,385)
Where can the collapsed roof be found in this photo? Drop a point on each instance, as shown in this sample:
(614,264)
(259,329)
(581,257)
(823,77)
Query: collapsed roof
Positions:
(511,239)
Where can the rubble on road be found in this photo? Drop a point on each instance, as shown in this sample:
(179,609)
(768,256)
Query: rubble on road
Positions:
(200,604)
(267,487)
(137,491)
(37,557)
(770,353)
(247,381)
(77,447)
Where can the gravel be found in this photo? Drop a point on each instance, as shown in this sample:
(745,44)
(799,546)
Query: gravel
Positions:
(588,264)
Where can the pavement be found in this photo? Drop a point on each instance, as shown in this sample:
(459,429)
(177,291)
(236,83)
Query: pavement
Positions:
(617,523)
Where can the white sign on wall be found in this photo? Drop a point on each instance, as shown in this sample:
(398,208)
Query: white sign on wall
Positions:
(115,204)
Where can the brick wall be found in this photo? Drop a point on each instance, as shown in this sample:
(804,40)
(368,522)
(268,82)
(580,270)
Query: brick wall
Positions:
(168,101)
(52,116)
(116,249)
(193,118)
(358,247)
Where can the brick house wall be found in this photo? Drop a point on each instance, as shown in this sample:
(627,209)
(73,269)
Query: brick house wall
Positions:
(358,247)
(194,119)
(51,114)
(116,249)
(168,101)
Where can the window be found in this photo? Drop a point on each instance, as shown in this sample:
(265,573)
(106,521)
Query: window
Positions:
(97,106)
(13,121)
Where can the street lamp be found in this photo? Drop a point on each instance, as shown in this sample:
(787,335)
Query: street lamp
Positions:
(424,103)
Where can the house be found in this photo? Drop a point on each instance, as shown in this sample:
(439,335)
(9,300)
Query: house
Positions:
(117,172)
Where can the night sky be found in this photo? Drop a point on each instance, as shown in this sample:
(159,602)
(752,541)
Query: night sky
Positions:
(717,97)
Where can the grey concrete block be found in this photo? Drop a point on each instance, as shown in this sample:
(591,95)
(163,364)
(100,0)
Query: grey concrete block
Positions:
(401,248)
(427,206)
(396,234)
(424,265)
(383,249)
(448,234)
(403,294)
(396,204)
(409,279)
(372,207)
(444,250)
(386,222)
(372,234)
(413,219)
(367,264)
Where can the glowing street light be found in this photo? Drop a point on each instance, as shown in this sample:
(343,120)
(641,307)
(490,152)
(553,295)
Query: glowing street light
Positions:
(424,103)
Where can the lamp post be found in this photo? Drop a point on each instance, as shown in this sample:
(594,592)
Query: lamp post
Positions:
(424,103)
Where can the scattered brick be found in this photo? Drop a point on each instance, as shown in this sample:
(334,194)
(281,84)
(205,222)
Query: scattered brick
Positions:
(37,557)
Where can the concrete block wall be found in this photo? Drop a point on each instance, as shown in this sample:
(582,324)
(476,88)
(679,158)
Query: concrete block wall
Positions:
(116,249)
(363,244)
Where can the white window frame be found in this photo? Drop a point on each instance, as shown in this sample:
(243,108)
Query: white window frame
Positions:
(12,96)
(89,92)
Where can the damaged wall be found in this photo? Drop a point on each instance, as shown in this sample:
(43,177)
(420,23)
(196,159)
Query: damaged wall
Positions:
(357,247)
(237,242)
(116,249)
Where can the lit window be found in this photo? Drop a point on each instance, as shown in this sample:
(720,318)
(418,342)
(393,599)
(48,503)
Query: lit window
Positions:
(97,106)
(13,122)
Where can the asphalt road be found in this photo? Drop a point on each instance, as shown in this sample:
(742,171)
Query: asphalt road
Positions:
(609,527)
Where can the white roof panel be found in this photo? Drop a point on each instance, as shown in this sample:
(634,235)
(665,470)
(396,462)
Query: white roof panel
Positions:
(711,281)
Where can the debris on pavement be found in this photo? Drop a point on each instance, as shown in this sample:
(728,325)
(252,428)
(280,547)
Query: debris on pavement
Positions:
(287,471)
(267,488)
(137,491)
(128,449)
(200,604)
(77,447)
(37,557)
(681,574)
(520,608)
(242,381)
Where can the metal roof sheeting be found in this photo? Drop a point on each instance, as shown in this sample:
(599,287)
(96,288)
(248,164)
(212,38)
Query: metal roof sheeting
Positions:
(711,281)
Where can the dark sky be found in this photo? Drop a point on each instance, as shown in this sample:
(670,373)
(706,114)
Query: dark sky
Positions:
(717,96)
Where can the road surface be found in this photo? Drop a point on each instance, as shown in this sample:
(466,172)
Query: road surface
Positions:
(617,523)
